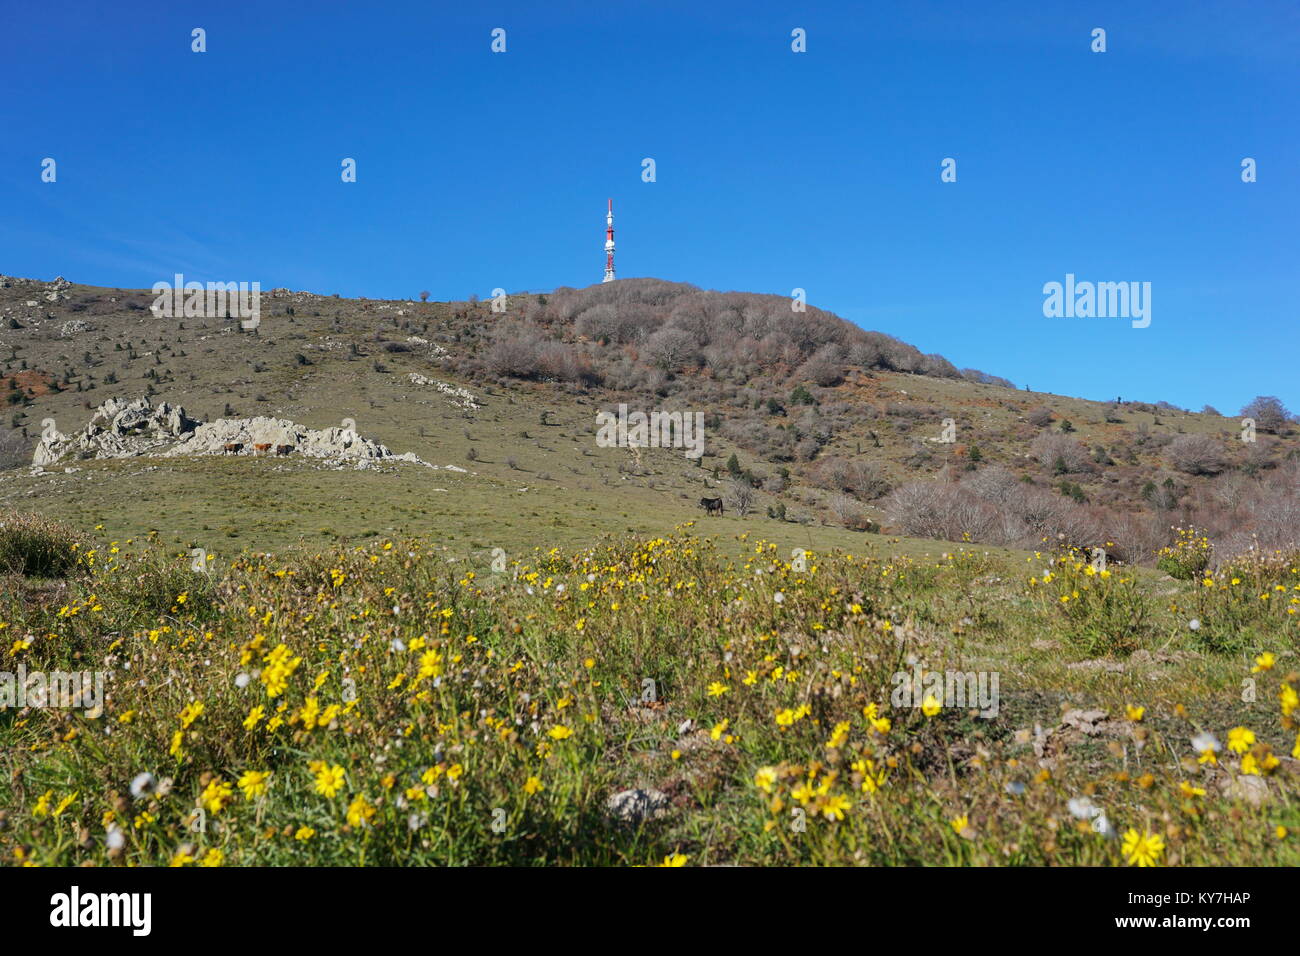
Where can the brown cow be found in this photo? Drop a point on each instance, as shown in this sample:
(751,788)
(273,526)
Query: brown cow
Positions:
(233,448)
(263,447)
(283,449)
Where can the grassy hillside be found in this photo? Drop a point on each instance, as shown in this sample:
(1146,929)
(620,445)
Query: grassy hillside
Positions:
(824,458)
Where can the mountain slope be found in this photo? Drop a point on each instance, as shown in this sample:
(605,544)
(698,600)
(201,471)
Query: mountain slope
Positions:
(830,427)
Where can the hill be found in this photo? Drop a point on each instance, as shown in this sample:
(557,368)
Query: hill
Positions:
(816,428)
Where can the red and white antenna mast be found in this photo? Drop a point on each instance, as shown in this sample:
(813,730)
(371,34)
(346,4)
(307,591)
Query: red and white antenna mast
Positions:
(609,243)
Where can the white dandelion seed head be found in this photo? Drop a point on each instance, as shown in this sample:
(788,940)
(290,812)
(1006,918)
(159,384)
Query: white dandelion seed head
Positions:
(142,784)
(1082,808)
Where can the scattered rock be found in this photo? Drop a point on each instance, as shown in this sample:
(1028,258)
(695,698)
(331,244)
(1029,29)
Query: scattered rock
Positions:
(1247,787)
(1089,722)
(637,806)
(1076,726)
(1145,658)
(460,397)
(1096,664)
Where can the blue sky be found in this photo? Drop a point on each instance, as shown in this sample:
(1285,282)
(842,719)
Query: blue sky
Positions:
(775,170)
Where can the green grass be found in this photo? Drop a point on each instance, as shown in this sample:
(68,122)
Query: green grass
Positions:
(764,733)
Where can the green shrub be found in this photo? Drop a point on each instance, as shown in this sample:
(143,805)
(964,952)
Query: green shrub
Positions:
(35,547)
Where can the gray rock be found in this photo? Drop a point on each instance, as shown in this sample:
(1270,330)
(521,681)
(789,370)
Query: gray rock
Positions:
(637,806)
(1090,722)
(1248,787)
(127,429)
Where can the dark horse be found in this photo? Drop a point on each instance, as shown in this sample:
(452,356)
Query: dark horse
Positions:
(711,505)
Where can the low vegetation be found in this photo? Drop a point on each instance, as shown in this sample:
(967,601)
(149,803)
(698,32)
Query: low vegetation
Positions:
(378,705)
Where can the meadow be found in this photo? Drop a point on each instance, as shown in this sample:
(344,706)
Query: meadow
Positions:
(682,699)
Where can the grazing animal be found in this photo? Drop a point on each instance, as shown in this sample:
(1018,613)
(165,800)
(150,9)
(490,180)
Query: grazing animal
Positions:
(283,449)
(263,447)
(711,505)
(233,448)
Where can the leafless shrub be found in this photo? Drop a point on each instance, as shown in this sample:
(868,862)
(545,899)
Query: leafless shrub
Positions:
(851,515)
(994,484)
(557,361)
(824,367)
(1039,417)
(1259,455)
(1196,455)
(515,352)
(15,450)
(931,509)
(1025,514)
(740,496)
(1060,454)
(864,479)
(1261,515)
(1231,490)
(846,509)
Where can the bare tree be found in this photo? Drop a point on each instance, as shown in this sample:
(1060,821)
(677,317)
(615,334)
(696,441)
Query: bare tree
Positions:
(740,495)
(670,348)
(1269,413)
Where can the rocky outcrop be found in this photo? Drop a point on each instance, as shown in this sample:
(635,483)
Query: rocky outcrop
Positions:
(342,442)
(122,429)
(117,429)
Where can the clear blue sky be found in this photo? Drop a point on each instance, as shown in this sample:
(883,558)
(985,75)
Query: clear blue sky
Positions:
(775,170)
